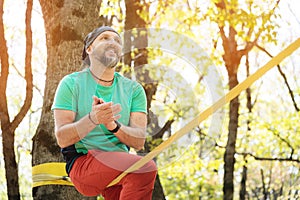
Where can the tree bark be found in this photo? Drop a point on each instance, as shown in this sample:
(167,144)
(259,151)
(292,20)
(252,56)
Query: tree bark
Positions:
(66,24)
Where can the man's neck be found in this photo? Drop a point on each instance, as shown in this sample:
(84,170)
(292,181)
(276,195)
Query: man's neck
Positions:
(102,74)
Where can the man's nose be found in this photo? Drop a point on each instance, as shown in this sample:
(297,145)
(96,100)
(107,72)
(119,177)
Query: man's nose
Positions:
(112,41)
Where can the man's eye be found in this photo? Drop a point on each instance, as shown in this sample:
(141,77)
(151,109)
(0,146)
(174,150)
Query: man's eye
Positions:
(118,41)
(103,38)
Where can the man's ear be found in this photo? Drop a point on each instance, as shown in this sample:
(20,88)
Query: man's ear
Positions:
(89,49)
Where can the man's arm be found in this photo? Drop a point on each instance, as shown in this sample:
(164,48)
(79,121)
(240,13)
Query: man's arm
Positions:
(133,135)
(67,131)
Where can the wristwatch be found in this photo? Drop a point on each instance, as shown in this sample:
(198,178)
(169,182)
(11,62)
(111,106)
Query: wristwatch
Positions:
(117,128)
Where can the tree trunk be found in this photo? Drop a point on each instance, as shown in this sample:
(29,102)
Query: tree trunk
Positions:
(232,58)
(229,160)
(66,24)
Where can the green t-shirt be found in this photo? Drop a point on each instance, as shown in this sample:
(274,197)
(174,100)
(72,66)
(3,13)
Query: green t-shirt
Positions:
(75,93)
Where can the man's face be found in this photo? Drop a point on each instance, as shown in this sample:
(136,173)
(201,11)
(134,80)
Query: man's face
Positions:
(107,49)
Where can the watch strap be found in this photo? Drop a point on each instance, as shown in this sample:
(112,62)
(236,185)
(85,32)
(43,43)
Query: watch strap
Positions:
(117,128)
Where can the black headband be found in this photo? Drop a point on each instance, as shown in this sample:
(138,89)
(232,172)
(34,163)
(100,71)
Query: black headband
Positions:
(89,39)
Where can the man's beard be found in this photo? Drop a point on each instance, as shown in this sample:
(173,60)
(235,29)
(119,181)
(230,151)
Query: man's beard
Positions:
(109,62)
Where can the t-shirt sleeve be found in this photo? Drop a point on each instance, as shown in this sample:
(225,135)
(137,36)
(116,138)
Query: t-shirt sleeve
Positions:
(64,98)
(139,100)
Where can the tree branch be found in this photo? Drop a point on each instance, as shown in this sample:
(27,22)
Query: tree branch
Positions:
(250,45)
(4,117)
(20,74)
(28,69)
(268,158)
(284,141)
(291,10)
(290,159)
(166,127)
(284,78)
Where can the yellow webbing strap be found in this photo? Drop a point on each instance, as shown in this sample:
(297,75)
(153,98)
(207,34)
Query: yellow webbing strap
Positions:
(53,173)
(206,113)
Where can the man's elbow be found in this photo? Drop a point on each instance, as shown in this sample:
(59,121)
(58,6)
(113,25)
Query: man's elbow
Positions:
(60,142)
(139,145)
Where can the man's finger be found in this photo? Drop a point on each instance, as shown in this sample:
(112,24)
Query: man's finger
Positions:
(116,108)
(97,100)
(117,117)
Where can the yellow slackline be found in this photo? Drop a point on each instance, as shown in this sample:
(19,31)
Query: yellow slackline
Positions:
(53,173)
(44,175)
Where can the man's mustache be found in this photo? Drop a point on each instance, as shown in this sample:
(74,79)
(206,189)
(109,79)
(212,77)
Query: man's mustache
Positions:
(114,48)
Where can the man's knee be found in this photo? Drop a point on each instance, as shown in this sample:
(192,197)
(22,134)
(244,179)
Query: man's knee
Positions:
(149,167)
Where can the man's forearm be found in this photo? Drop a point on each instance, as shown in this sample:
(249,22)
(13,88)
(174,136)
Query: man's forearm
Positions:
(71,133)
(132,136)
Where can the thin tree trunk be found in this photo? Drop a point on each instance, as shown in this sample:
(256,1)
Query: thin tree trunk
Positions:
(243,188)
(8,127)
(232,59)
(229,160)
(10,165)
(11,168)
(265,191)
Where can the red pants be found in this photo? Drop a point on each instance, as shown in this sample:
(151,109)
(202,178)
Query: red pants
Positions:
(91,174)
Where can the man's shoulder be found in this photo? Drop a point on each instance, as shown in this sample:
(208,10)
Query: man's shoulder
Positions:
(75,75)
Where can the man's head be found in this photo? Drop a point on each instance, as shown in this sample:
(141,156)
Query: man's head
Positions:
(101,43)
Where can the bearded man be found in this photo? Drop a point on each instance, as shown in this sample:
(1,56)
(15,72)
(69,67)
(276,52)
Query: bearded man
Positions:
(99,115)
